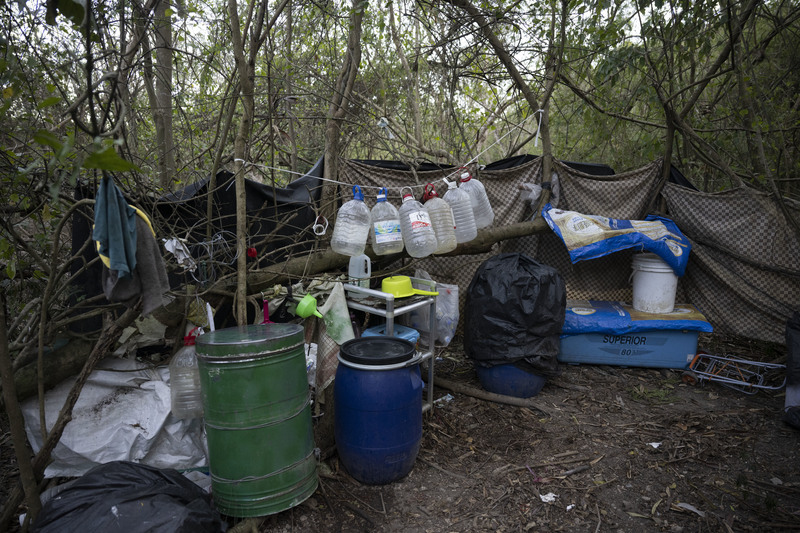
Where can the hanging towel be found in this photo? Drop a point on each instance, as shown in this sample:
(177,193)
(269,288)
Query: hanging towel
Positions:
(115,228)
(149,278)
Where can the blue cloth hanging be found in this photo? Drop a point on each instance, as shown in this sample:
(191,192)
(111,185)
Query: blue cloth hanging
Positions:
(115,228)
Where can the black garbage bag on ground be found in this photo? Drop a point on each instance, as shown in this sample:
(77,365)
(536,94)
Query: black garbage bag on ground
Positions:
(132,498)
(514,312)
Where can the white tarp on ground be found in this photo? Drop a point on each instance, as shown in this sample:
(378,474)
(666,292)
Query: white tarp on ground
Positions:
(122,414)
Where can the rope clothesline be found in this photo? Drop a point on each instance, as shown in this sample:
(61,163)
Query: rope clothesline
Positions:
(456,172)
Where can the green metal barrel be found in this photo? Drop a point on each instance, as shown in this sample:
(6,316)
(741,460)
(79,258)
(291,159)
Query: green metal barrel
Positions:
(257,418)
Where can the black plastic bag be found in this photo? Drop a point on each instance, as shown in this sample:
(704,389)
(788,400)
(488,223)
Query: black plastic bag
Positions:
(130,497)
(514,312)
(793,348)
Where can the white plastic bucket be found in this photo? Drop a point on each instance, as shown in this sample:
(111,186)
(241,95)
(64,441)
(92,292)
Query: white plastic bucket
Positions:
(654,284)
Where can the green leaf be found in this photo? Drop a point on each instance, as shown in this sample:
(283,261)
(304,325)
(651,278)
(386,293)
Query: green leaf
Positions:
(49,102)
(11,269)
(47,138)
(108,159)
(72,9)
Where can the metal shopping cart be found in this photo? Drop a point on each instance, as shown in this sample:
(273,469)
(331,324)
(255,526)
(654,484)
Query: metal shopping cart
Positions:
(739,374)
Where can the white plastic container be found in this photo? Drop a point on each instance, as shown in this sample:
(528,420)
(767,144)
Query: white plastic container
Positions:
(184,382)
(352,226)
(442,219)
(482,209)
(463,215)
(417,229)
(654,284)
(359,272)
(386,235)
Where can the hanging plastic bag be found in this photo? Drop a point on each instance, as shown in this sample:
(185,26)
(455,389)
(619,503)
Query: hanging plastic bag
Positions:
(447,314)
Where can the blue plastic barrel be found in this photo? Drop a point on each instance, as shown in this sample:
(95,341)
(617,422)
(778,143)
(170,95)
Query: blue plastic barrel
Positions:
(378,408)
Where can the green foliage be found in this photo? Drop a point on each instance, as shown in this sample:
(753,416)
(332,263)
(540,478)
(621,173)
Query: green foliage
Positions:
(74,10)
(7,257)
(106,158)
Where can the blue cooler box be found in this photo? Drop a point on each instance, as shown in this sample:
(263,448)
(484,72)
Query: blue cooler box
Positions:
(403,332)
(613,333)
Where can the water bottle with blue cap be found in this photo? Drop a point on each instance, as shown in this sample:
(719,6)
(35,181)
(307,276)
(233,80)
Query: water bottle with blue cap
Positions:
(352,226)
(386,235)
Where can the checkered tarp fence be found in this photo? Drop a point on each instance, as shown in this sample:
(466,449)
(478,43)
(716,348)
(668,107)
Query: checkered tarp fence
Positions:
(743,273)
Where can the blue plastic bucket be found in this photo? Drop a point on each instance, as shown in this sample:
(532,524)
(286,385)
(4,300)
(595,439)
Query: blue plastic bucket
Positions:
(378,408)
(510,380)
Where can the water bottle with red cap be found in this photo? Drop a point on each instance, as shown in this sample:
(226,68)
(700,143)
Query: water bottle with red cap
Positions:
(463,214)
(484,215)
(184,380)
(416,227)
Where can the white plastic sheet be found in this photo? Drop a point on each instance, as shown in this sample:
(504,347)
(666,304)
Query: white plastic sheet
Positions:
(123,413)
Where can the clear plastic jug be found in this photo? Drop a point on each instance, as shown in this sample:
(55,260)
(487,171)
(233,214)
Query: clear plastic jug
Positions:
(442,219)
(184,381)
(463,215)
(352,226)
(386,234)
(482,209)
(415,222)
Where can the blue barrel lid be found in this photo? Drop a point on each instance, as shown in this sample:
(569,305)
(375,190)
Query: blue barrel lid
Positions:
(377,351)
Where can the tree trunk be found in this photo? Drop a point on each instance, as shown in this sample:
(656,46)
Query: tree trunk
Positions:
(328,260)
(289,88)
(338,109)
(246,68)
(163,92)
(58,366)
(16,421)
(411,78)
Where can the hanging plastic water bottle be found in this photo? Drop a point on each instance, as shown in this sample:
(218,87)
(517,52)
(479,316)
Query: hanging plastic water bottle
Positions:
(352,226)
(415,222)
(387,237)
(484,216)
(442,219)
(463,215)
(184,381)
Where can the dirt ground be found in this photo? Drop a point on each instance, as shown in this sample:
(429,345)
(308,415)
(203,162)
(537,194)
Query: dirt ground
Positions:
(603,449)
(606,449)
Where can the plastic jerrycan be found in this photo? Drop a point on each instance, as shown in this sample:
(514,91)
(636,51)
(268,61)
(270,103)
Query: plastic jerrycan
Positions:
(358,273)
